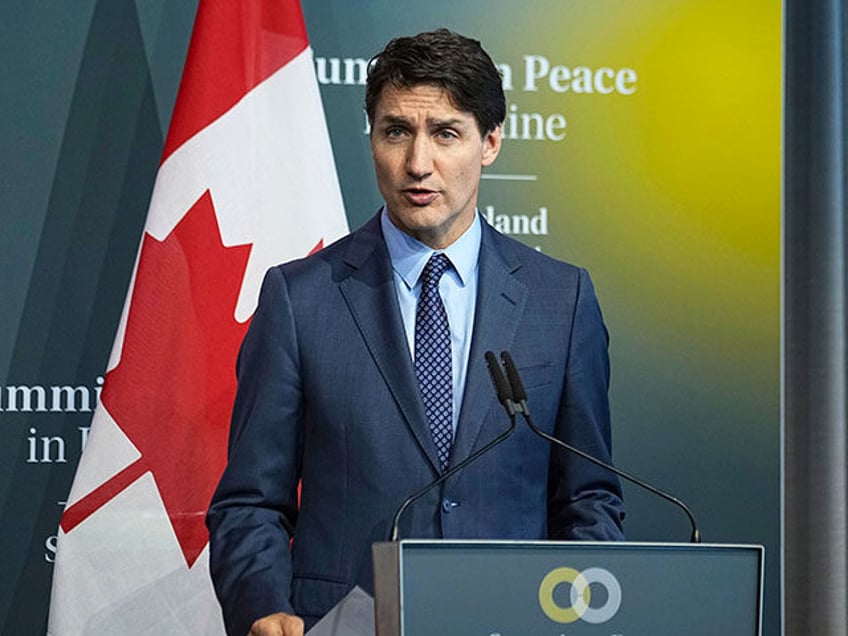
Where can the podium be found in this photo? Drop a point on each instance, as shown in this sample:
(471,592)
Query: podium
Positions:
(545,588)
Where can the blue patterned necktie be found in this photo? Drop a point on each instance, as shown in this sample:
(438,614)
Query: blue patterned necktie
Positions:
(433,356)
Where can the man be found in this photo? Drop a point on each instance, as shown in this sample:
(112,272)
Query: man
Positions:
(364,382)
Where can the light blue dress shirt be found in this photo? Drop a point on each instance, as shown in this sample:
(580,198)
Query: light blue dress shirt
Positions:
(458,288)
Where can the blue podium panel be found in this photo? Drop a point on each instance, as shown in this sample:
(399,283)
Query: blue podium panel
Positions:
(576,589)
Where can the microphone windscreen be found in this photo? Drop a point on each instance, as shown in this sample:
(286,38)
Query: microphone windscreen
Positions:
(518,392)
(498,379)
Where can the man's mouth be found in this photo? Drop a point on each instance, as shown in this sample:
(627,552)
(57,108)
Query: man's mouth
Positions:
(420,196)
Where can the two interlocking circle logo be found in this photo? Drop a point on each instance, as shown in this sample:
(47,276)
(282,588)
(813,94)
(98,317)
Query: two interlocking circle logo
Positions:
(580,595)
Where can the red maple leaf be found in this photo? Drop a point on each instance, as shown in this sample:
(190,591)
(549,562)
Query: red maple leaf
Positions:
(174,386)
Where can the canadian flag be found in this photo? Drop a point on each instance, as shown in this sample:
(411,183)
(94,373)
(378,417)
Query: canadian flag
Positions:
(247,180)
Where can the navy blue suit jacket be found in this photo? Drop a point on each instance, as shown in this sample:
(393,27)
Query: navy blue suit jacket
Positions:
(327,394)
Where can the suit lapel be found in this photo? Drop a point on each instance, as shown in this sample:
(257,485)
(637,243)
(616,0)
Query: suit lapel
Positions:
(370,294)
(501,300)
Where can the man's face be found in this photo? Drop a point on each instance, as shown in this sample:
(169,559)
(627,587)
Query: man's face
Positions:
(428,157)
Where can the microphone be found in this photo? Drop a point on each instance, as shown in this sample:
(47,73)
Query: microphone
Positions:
(502,387)
(519,396)
(504,393)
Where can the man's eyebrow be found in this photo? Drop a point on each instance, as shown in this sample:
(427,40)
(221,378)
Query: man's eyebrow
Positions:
(451,122)
(393,119)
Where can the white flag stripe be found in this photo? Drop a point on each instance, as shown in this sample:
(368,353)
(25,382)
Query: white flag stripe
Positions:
(270,171)
(130,543)
(268,165)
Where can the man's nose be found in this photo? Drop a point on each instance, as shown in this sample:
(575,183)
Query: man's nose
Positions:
(419,158)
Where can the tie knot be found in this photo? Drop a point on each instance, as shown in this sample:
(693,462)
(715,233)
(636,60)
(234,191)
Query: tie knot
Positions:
(433,270)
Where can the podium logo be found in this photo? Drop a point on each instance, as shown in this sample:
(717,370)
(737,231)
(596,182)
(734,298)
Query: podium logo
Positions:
(580,597)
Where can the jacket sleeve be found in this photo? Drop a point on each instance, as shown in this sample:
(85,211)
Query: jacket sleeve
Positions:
(253,512)
(584,500)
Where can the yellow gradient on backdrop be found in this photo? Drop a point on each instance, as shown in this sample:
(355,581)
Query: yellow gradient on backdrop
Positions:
(671,195)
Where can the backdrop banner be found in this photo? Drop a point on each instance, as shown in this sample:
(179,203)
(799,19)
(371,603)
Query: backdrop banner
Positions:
(642,142)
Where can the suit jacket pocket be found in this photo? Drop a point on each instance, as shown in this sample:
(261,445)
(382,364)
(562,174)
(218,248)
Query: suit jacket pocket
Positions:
(536,375)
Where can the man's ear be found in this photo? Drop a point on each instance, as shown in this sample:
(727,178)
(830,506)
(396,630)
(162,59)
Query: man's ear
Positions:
(492,145)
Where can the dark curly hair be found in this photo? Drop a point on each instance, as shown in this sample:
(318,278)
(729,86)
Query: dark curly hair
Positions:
(446,59)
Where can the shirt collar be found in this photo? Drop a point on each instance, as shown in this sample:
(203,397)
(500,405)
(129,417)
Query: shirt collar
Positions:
(409,255)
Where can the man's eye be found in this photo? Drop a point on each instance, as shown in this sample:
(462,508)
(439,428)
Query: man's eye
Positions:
(446,134)
(394,132)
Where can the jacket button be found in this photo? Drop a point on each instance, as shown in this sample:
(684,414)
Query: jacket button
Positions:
(448,505)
